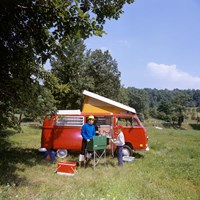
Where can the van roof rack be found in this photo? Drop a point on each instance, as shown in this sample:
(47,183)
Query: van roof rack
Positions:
(67,112)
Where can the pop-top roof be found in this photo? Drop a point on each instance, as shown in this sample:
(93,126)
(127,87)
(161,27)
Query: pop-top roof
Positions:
(109,101)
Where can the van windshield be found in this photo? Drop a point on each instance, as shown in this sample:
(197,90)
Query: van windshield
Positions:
(139,122)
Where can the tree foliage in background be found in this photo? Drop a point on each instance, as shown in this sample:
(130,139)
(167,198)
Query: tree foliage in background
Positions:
(138,100)
(155,96)
(81,69)
(172,106)
(123,96)
(165,110)
(104,72)
(167,105)
(30,33)
(70,65)
(179,102)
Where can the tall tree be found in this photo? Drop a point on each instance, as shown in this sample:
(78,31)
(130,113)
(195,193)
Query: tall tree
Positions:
(96,71)
(179,102)
(165,110)
(30,33)
(104,71)
(69,65)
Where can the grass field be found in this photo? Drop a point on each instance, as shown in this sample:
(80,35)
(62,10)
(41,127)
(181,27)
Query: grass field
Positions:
(170,170)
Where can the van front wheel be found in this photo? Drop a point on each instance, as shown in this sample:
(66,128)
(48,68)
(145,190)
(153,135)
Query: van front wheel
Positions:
(127,151)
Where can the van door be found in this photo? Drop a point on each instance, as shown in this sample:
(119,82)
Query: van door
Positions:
(134,132)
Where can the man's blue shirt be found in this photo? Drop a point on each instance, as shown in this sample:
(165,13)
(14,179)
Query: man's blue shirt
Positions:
(88,131)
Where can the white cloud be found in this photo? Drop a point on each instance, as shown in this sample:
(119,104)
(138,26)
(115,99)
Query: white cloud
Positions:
(170,77)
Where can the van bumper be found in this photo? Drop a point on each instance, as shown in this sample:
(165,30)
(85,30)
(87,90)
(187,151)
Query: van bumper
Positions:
(143,150)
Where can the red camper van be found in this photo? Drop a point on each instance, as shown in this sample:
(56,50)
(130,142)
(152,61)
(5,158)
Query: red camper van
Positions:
(62,131)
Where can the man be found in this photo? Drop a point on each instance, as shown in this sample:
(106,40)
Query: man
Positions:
(87,132)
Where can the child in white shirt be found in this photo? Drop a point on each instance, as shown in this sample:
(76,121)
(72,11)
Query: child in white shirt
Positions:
(120,143)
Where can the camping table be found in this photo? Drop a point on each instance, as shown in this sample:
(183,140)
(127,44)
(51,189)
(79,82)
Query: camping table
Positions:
(98,146)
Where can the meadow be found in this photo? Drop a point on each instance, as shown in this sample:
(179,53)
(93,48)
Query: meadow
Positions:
(170,170)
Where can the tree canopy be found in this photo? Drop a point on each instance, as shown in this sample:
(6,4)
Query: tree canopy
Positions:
(32,31)
(81,69)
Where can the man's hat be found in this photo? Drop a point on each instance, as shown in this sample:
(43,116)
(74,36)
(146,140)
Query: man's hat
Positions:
(90,117)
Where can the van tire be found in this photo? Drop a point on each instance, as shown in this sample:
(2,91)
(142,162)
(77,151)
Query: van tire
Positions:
(127,151)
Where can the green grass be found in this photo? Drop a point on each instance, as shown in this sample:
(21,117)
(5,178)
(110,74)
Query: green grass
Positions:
(170,170)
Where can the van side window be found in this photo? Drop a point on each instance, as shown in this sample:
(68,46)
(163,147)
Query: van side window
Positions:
(102,120)
(135,122)
(70,121)
(126,121)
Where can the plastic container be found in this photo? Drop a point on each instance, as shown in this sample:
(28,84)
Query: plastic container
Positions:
(128,158)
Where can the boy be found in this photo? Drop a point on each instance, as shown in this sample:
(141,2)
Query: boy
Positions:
(120,143)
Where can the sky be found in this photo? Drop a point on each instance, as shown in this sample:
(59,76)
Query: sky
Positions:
(156,44)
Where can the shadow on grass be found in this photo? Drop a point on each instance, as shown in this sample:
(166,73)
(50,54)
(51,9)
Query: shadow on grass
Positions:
(14,160)
(171,125)
(110,160)
(195,126)
(175,126)
(6,133)
(138,155)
